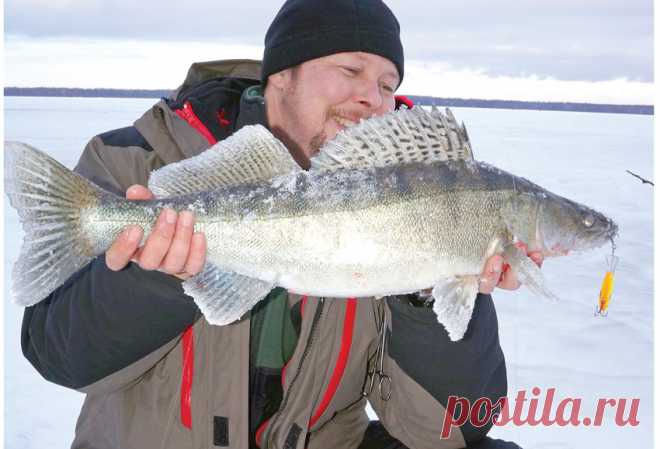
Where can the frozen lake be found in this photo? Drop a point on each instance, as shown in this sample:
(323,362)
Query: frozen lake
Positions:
(562,346)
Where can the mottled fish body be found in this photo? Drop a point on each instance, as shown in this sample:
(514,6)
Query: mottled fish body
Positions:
(393,205)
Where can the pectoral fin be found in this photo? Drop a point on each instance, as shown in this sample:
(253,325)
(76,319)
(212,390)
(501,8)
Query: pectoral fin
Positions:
(528,273)
(454,302)
(224,297)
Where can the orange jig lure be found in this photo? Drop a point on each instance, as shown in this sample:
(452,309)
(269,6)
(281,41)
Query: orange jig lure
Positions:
(606,288)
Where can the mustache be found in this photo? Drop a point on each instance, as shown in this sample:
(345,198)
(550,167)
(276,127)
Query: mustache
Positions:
(354,116)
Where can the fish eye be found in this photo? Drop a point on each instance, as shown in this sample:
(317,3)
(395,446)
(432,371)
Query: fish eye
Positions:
(588,220)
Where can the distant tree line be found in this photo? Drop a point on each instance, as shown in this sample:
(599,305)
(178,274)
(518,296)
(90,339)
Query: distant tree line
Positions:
(421,100)
(537,105)
(78,92)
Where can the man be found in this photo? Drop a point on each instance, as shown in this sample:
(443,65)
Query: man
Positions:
(296,371)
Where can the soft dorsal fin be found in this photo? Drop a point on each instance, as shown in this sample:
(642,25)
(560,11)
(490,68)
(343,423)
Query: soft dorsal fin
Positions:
(249,155)
(399,137)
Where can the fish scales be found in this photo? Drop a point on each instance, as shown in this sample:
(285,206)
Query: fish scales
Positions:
(348,231)
(364,252)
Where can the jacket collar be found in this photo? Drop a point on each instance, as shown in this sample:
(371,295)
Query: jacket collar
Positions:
(252,109)
(173,139)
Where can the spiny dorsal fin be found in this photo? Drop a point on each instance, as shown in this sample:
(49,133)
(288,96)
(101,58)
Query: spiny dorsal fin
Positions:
(249,155)
(403,136)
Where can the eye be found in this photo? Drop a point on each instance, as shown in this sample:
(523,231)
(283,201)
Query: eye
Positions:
(588,220)
(349,70)
(387,88)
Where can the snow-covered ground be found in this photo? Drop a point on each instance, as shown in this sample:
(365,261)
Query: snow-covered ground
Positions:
(560,346)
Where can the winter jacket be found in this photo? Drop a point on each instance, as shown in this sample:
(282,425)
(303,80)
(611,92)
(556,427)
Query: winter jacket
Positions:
(295,373)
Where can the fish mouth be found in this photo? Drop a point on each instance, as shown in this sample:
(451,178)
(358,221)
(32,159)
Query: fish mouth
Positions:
(603,232)
(613,230)
(612,234)
(609,231)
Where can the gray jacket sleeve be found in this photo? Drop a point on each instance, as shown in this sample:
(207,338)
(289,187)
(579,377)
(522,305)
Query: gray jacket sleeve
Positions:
(101,321)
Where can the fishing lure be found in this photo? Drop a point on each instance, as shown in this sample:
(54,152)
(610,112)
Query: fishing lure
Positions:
(606,288)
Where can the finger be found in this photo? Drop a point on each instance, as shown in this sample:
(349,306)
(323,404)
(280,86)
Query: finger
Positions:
(521,245)
(505,268)
(123,248)
(537,257)
(159,241)
(137,255)
(197,254)
(138,192)
(491,274)
(509,280)
(176,257)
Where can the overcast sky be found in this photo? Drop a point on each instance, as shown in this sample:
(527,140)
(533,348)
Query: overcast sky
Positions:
(570,50)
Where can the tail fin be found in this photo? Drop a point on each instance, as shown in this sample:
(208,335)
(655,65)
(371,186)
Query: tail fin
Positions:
(49,199)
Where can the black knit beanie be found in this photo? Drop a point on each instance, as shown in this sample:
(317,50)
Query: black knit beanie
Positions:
(309,29)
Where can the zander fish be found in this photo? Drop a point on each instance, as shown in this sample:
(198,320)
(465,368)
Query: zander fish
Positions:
(392,205)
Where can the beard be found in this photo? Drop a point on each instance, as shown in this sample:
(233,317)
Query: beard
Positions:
(292,107)
(317,142)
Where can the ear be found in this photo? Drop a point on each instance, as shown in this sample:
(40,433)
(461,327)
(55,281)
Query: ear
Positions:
(280,80)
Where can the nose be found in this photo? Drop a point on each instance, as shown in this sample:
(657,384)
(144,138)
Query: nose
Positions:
(369,95)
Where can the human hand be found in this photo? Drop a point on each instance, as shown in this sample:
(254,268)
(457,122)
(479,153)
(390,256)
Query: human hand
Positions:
(499,274)
(172,247)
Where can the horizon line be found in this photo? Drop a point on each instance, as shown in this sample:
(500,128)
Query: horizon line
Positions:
(422,100)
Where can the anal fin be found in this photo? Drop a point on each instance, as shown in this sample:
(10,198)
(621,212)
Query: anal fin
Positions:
(454,303)
(224,297)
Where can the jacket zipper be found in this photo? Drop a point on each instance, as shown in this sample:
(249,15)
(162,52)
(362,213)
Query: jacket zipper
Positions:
(340,364)
(310,340)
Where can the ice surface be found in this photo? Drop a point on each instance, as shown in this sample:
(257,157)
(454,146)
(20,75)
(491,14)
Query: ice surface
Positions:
(39,414)
(579,155)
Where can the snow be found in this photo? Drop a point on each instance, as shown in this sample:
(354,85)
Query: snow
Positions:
(562,346)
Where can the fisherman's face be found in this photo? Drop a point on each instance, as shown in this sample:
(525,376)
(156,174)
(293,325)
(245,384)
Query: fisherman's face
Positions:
(320,97)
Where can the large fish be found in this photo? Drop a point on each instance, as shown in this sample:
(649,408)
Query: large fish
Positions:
(393,205)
